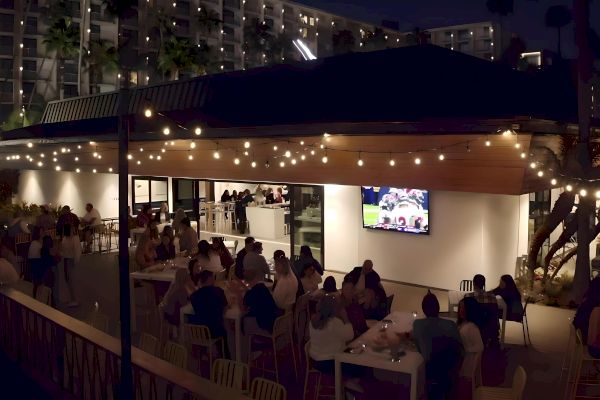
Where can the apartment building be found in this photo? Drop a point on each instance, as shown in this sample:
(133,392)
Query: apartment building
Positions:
(28,75)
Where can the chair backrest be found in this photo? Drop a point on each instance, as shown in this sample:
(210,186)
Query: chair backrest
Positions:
(197,335)
(489,325)
(148,343)
(388,304)
(466,285)
(263,389)
(301,315)
(43,294)
(100,321)
(175,354)
(231,374)
(282,325)
(518,384)
(21,238)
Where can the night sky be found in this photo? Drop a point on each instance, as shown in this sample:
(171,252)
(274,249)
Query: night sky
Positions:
(527,22)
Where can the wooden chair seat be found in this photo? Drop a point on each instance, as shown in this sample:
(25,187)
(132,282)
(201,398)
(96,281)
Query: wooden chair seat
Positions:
(493,393)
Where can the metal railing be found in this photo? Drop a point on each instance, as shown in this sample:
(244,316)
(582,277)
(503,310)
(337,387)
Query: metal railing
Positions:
(84,361)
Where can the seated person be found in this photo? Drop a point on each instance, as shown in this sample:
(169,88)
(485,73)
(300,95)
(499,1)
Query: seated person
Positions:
(364,277)
(209,304)
(166,249)
(469,316)
(176,297)
(145,254)
(145,216)
(219,247)
(286,284)
(208,258)
(330,333)
(354,311)
(241,255)
(507,289)
(188,239)
(260,307)
(488,323)
(255,261)
(162,216)
(194,271)
(438,341)
(591,300)
(310,279)
(330,286)
(306,258)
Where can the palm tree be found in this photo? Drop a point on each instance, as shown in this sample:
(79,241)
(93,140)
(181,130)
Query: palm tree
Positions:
(374,40)
(102,57)
(207,59)
(418,36)
(208,20)
(257,35)
(120,9)
(502,8)
(558,17)
(343,42)
(62,39)
(163,22)
(279,49)
(179,54)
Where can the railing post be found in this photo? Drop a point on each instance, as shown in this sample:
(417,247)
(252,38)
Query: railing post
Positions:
(126,384)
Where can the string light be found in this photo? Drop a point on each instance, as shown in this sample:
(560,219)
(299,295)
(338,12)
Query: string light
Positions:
(553,182)
(517,145)
(488,143)
(274,148)
(40,164)
(312,152)
(441,157)
(77,170)
(236,161)
(76,159)
(158,158)
(57,168)
(147,111)
(598,194)
(253,164)
(583,192)
(166,131)
(30,145)
(540,173)
(569,188)
(110,169)
(302,143)
(190,157)
(302,157)
(192,145)
(360,162)
(198,131)
(293,161)
(523,155)
(129,156)
(216,154)
(281,164)
(533,165)
(172,143)
(417,161)
(246,145)
(139,162)
(94,170)
(288,154)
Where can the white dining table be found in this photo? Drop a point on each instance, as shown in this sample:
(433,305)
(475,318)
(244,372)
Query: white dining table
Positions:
(455,296)
(411,363)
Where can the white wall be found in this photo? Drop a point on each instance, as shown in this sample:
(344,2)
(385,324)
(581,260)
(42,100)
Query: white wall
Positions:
(470,233)
(72,189)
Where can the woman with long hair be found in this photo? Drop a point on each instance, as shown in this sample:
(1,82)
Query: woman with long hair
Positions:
(176,297)
(219,247)
(179,216)
(208,258)
(330,332)
(286,284)
(166,249)
(507,289)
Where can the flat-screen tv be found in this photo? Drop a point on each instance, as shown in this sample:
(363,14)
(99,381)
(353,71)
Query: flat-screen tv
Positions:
(396,209)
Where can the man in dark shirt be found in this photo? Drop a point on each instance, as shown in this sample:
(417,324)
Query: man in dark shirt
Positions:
(239,259)
(259,304)
(209,304)
(66,217)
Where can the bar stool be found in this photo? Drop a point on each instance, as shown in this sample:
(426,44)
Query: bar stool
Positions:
(231,215)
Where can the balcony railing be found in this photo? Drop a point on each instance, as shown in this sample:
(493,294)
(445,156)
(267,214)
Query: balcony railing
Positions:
(234,21)
(29,52)
(96,16)
(29,75)
(85,362)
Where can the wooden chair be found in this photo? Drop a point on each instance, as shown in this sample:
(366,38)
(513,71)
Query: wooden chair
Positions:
(148,343)
(524,323)
(512,393)
(575,378)
(301,319)
(43,295)
(99,321)
(199,335)
(263,389)
(231,374)
(471,368)
(466,285)
(310,370)
(232,217)
(21,239)
(175,354)
(282,328)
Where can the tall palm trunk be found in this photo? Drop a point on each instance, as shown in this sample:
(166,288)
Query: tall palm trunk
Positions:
(60,68)
(83,7)
(581,279)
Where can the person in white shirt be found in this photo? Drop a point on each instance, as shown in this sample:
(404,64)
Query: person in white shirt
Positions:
(286,284)
(90,220)
(162,216)
(35,247)
(254,260)
(310,279)
(208,258)
(188,238)
(330,332)
(70,250)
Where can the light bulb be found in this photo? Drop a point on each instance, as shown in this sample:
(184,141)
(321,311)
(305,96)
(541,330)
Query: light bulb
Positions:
(163,150)
(274,148)
(147,113)
(141,149)
(598,194)
(324,160)
(583,192)
(302,143)
(517,145)
(360,162)
(523,155)
(30,145)
(322,146)
(312,152)
(158,158)
(281,164)
(190,157)
(54,153)
(418,161)
(151,157)
(533,165)
(172,143)
(216,155)
(57,168)
(192,145)
(110,170)
(246,153)
(236,161)
(99,156)
(77,170)
(253,164)
(42,155)
(553,181)
(129,156)
(392,163)
(166,131)
(441,157)
(94,170)
(488,143)
(198,131)
(303,157)
(139,162)
(293,161)
(54,159)
(540,173)
(79,147)
(288,153)
(569,188)
(246,145)
(40,164)
(95,154)
(76,158)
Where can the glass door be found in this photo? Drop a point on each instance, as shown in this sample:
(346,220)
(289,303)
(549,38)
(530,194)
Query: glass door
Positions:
(306,205)
(149,190)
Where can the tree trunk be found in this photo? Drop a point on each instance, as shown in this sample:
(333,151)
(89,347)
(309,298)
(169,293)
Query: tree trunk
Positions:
(60,67)
(37,78)
(581,279)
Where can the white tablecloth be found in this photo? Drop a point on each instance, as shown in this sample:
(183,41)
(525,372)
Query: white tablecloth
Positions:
(157,273)
(455,296)
(412,363)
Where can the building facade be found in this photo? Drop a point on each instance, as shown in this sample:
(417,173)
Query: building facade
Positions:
(29,76)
